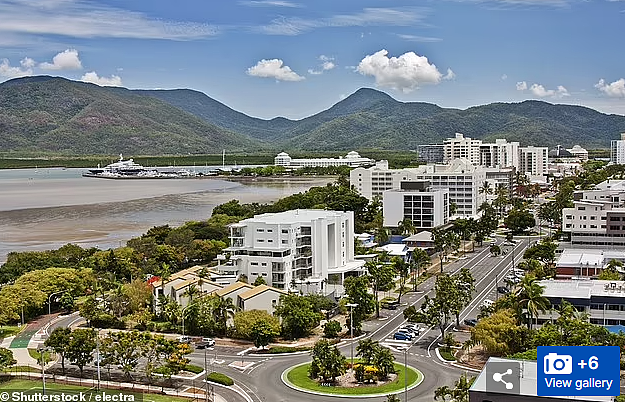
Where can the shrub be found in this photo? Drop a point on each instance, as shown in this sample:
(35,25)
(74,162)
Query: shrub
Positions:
(332,329)
(446,354)
(244,322)
(107,321)
(193,368)
(220,378)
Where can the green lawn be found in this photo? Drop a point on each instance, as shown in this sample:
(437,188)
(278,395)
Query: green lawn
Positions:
(34,353)
(27,385)
(298,376)
(9,330)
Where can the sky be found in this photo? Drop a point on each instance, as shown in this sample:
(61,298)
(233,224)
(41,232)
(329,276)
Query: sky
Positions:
(294,58)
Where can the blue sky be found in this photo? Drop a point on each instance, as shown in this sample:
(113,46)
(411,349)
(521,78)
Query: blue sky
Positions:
(294,58)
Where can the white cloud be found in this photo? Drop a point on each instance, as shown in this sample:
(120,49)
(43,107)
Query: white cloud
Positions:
(417,38)
(8,71)
(540,91)
(404,73)
(27,62)
(552,3)
(87,19)
(66,60)
(504,77)
(270,3)
(274,68)
(614,89)
(92,77)
(398,16)
(327,63)
(450,75)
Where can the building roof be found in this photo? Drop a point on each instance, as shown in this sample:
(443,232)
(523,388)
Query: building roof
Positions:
(395,249)
(421,236)
(292,216)
(582,258)
(528,381)
(582,289)
(232,288)
(258,290)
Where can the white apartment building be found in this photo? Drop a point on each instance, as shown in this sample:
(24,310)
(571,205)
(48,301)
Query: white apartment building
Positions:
(299,249)
(460,177)
(533,160)
(352,159)
(461,147)
(617,150)
(501,153)
(415,200)
(598,216)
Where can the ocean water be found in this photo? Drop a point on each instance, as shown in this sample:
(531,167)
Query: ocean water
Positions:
(42,209)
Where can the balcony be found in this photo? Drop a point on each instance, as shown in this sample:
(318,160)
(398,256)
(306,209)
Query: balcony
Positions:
(237,242)
(303,242)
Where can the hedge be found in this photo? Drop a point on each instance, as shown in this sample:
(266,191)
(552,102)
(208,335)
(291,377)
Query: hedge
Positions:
(220,378)
(193,368)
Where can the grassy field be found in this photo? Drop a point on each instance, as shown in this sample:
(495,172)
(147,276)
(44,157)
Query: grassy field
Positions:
(51,388)
(298,376)
(8,330)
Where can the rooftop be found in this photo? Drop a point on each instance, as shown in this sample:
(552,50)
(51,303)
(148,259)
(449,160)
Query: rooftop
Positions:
(421,236)
(582,289)
(292,216)
(258,290)
(599,257)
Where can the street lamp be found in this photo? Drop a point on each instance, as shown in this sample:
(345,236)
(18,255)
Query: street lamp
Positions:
(351,330)
(97,353)
(42,361)
(406,370)
(50,304)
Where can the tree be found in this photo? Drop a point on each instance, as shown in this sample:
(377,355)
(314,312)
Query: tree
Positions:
(406,227)
(465,286)
(433,312)
(67,302)
(331,329)
(59,341)
(298,317)
(530,297)
(392,398)
(486,188)
(544,251)
(81,346)
(610,272)
(223,310)
(259,281)
(381,278)
(262,333)
(384,362)
(89,309)
(460,392)
(420,260)
(356,291)
(127,349)
(500,333)
(495,250)
(519,220)
(327,362)
(401,268)
(367,349)
(244,322)
(6,358)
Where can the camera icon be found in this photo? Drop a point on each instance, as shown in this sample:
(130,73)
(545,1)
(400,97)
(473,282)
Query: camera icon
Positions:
(558,364)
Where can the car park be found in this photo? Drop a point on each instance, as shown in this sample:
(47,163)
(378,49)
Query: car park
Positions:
(402,336)
(471,322)
(412,330)
(405,331)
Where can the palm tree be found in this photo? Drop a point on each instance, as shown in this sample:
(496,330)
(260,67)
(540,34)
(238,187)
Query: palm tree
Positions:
(406,227)
(486,188)
(530,298)
(367,349)
(191,292)
(171,311)
(402,269)
(223,309)
(442,392)
(384,361)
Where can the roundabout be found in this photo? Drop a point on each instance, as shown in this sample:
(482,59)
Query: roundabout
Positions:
(296,377)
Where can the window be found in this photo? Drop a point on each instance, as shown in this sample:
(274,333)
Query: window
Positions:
(592,218)
(264,273)
(285,231)
(269,230)
(253,263)
(260,230)
(581,208)
(264,264)
(269,241)
(615,218)
(260,240)
(285,241)
(255,273)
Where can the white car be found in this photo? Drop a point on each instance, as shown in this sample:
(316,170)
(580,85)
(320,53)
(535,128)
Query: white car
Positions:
(487,303)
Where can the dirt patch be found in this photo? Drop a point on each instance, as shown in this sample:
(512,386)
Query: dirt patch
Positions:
(474,357)
(348,380)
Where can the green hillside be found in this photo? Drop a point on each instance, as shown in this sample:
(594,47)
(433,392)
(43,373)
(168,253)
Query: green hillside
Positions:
(44,114)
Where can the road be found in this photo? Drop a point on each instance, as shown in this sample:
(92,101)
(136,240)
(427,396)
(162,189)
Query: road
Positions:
(263,379)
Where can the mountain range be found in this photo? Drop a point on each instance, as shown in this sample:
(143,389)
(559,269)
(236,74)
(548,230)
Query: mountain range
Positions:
(51,114)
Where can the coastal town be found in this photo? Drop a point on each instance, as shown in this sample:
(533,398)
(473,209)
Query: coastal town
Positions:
(370,285)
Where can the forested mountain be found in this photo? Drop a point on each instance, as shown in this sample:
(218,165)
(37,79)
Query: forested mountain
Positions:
(58,115)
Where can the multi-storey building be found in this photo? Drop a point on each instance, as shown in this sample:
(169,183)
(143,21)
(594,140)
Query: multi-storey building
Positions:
(461,147)
(415,200)
(617,154)
(432,153)
(460,177)
(501,153)
(352,159)
(598,216)
(586,263)
(299,249)
(602,301)
(533,160)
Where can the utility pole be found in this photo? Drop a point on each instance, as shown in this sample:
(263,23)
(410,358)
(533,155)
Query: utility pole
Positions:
(351,330)
(97,353)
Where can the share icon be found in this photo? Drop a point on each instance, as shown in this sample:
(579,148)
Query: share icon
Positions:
(498,377)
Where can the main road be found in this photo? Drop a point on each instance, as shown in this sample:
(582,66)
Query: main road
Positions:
(262,380)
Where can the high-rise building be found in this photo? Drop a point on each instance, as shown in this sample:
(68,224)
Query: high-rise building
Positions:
(501,153)
(461,147)
(416,201)
(299,249)
(533,160)
(617,154)
(430,153)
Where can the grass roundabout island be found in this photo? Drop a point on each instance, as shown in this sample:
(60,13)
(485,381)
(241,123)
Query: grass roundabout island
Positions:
(297,378)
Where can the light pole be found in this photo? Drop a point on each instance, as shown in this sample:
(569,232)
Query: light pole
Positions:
(406,370)
(351,330)
(97,353)
(42,353)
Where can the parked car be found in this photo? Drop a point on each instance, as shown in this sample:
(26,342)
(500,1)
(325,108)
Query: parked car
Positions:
(411,330)
(390,305)
(402,336)
(487,303)
(503,290)
(184,339)
(209,341)
(471,322)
